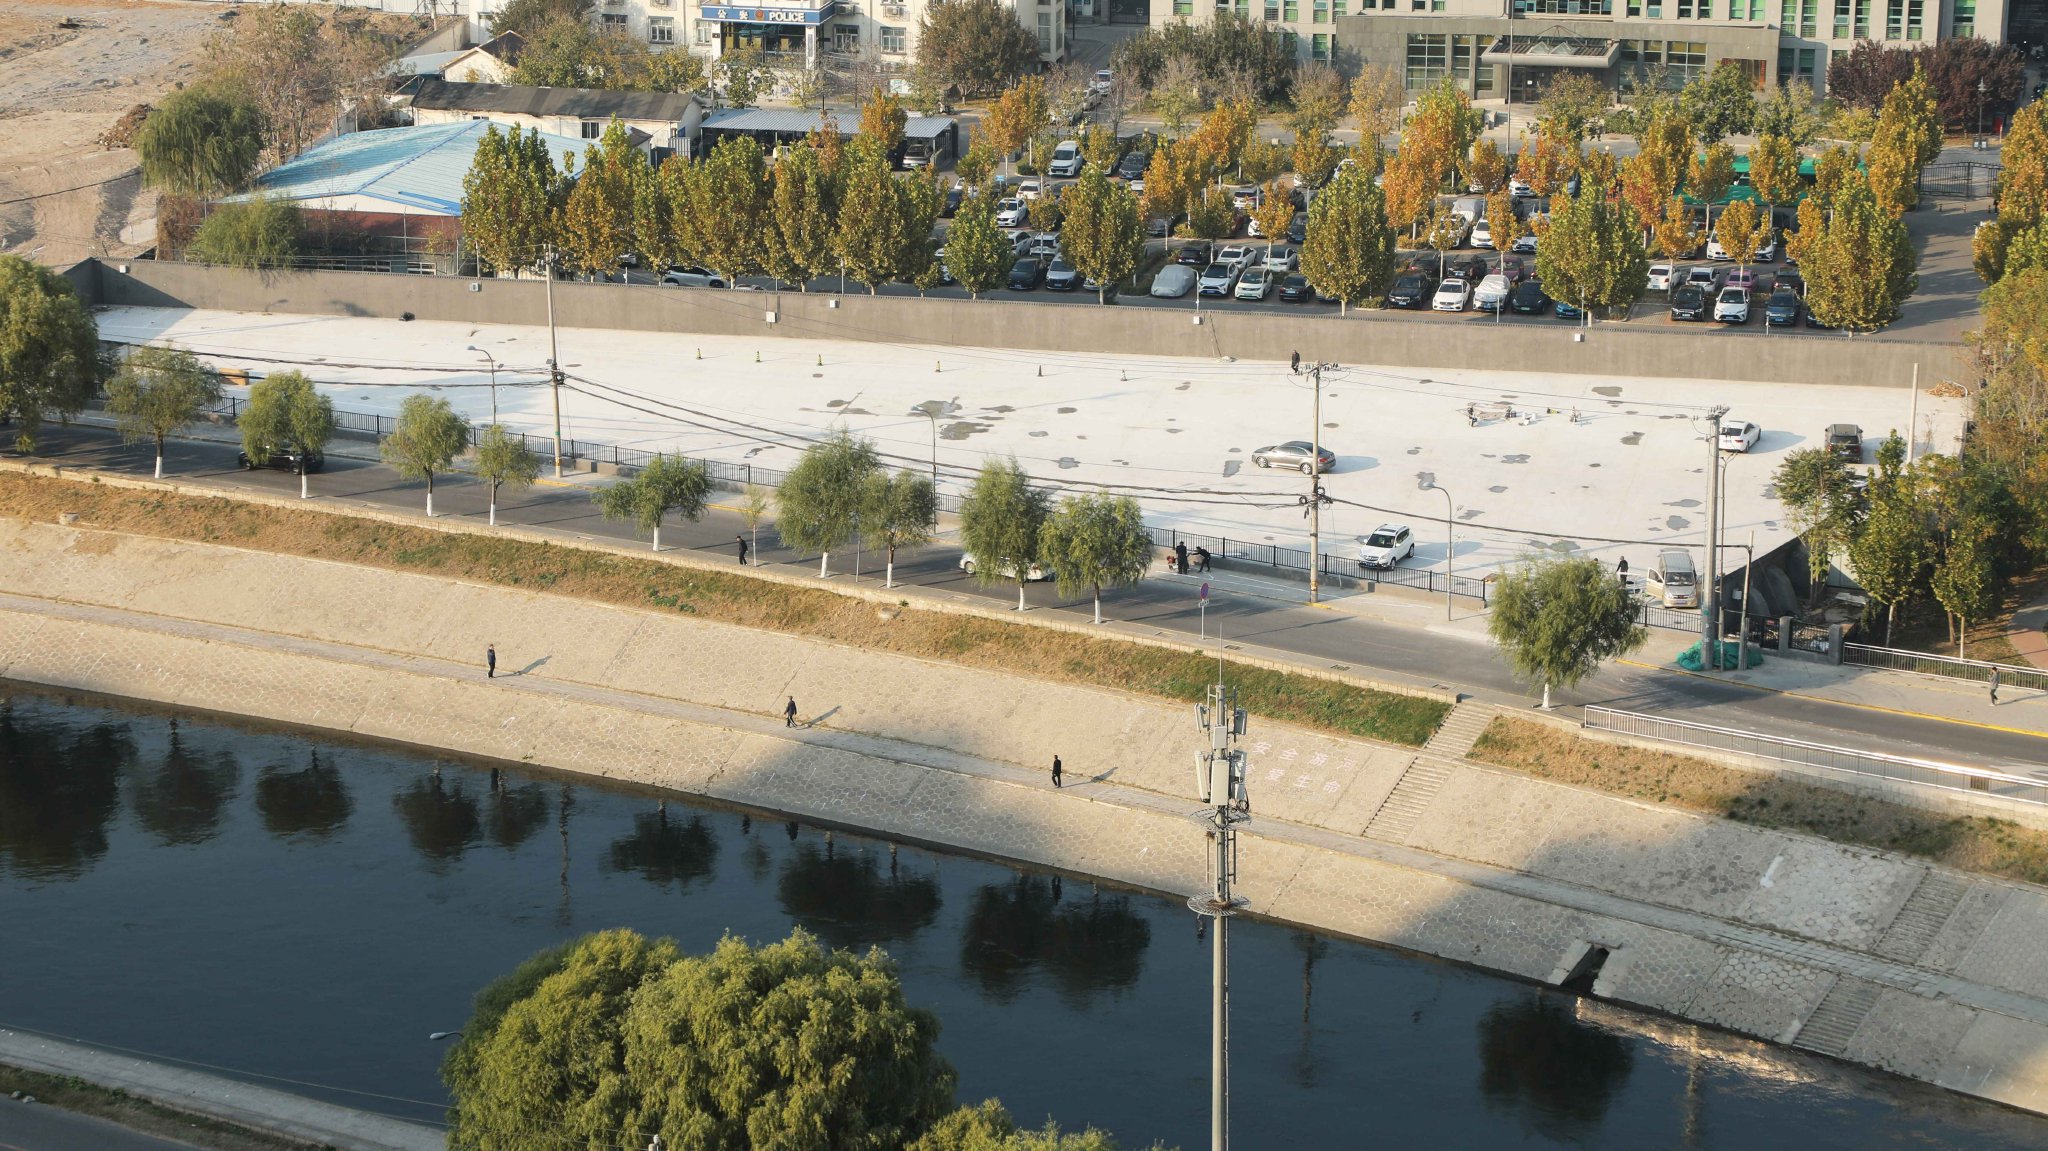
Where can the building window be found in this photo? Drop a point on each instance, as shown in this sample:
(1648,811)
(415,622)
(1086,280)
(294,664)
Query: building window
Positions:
(1183,7)
(1323,46)
(1045,44)
(661,29)
(1895,19)
(1686,59)
(614,19)
(1841,19)
(593,129)
(846,37)
(1461,60)
(1320,12)
(1809,18)
(1635,8)
(1290,11)
(1483,81)
(1963,18)
(1427,58)
(1290,40)
(1562,7)
(1915,12)
(892,39)
(1654,9)
(1863,19)
(1272,9)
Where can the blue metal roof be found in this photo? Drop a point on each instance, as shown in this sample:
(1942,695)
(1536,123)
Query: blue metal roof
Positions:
(798,122)
(417,169)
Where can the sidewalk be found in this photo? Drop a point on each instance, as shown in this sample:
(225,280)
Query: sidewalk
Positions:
(228,1100)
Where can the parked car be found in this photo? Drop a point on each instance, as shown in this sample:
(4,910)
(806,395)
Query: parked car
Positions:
(1688,303)
(1217,279)
(1297,230)
(1661,276)
(1511,269)
(1706,279)
(1295,454)
(1732,306)
(1173,282)
(1236,255)
(1529,298)
(1453,295)
(1566,311)
(1846,441)
(1247,198)
(1061,276)
(1255,284)
(1739,435)
(1482,235)
(692,276)
(1524,244)
(1011,213)
(1716,252)
(1294,289)
(1492,293)
(1520,189)
(1768,251)
(1410,290)
(1160,227)
(1673,579)
(286,457)
(1195,254)
(1026,274)
(1782,309)
(1387,546)
(1741,278)
(1100,84)
(1132,166)
(1028,190)
(1280,258)
(1787,278)
(1472,269)
(1006,568)
(1814,322)
(1044,246)
(1066,160)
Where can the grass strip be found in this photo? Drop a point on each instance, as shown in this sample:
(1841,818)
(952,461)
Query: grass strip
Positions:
(1977,843)
(137,1114)
(728,597)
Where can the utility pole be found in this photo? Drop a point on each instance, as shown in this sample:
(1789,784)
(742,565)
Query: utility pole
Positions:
(554,359)
(1709,584)
(1316,497)
(1220,786)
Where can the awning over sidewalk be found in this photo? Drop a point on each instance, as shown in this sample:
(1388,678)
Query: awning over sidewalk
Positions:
(1554,51)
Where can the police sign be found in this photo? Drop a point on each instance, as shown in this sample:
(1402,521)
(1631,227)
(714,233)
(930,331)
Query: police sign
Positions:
(727,15)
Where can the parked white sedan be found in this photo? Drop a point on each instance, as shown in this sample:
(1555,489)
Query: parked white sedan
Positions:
(1660,277)
(1739,435)
(1453,295)
(1005,569)
(1011,213)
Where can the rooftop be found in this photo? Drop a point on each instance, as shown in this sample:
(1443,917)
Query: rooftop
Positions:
(582,103)
(415,169)
(797,123)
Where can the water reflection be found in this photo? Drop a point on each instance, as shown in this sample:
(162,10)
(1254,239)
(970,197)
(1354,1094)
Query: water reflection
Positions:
(846,900)
(1539,1060)
(60,785)
(440,817)
(312,803)
(1015,928)
(516,812)
(666,851)
(180,801)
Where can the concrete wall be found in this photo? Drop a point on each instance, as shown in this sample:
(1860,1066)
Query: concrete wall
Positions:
(1393,339)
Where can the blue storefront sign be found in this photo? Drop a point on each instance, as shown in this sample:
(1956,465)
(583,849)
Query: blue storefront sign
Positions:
(729,15)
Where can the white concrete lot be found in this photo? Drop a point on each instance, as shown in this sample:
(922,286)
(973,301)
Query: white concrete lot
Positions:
(1609,466)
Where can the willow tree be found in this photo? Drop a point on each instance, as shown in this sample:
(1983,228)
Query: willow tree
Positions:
(158,390)
(204,141)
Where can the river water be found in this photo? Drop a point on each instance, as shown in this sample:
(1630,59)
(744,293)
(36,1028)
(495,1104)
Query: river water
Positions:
(308,908)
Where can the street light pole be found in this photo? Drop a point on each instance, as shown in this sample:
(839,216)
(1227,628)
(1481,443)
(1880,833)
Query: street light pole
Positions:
(1315,498)
(926,411)
(1709,649)
(1980,112)
(494,381)
(554,360)
(1450,548)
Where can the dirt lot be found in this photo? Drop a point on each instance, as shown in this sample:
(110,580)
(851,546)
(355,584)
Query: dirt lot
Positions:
(59,89)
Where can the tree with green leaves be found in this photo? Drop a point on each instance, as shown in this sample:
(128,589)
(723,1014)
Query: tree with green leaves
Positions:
(920,201)
(1558,620)
(1261,161)
(882,119)
(797,234)
(1709,175)
(529,16)
(1210,215)
(1001,524)
(596,224)
(49,348)
(1860,269)
(1103,239)
(1965,581)
(1891,546)
(988,1127)
(426,441)
(977,252)
(202,142)
(745,75)
(899,511)
(873,230)
(1574,102)
(1741,226)
(676,70)
(260,232)
(976,46)
(1095,541)
(1348,253)
(1592,254)
(731,205)
(665,483)
(822,497)
(1774,170)
(1487,170)
(158,390)
(754,503)
(1504,224)
(286,411)
(578,54)
(509,198)
(1791,112)
(1720,104)
(503,458)
(1816,489)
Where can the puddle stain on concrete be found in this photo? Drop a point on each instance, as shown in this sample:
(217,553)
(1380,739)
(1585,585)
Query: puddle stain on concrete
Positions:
(1066,462)
(1607,390)
(1039,435)
(1677,523)
(1633,439)
(1232,467)
(961,429)
(1066,411)
(1517,458)
(1498,488)
(1683,504)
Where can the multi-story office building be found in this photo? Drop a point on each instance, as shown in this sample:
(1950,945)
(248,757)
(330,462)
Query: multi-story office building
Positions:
(1508,49)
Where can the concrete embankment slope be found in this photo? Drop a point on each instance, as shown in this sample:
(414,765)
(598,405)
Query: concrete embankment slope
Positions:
(1873,957)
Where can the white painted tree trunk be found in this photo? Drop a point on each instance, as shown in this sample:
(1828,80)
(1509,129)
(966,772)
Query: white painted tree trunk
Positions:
(1098,605)
(430,495)
(889,574)
(305,493)
(1020,596)
(823,557)
(1546,697)
(494,505)
(159,463)
(657,537)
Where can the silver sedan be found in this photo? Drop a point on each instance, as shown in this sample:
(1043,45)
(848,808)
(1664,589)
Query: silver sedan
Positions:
(1295,454)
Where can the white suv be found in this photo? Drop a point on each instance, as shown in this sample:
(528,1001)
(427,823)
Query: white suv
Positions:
(1066,160)
(1388,545)
(1732,306)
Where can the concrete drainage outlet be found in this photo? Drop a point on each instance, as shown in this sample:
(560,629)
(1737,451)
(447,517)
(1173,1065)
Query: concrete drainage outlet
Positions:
(1581,966)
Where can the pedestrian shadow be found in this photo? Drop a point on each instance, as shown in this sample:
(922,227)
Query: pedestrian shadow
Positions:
(820,718)
(535,664)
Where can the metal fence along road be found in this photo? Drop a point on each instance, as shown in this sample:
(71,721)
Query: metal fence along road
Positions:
(1821,759)
(1923,663)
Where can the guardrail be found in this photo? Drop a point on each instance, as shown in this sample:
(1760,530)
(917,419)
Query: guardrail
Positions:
(1948,667)
(1819,758)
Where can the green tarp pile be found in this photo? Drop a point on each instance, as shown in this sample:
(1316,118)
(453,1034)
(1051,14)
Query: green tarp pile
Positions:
(1689,659)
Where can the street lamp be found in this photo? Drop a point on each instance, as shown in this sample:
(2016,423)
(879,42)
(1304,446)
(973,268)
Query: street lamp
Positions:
(494,380)
(1980,113)
(1450,545)
(928,411)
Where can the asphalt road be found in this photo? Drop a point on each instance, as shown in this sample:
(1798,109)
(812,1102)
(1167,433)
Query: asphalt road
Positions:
(1243,608)
(36,1127)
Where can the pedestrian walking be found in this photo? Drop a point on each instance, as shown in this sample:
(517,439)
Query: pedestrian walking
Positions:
(1180,558)
(1202,560)
(789,713)
(1056,772)
(1994,685)
(1621,570)
(490,661)
(742,541)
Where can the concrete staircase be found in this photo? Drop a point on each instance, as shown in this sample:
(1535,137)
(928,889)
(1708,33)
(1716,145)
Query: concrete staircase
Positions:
(1922,917)
(1841,1012)
(1406,802)
(1461,729)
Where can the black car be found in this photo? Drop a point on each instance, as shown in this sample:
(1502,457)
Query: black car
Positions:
(1195,255)
(1529,299)
(1297,229)
(1782,309)
(1062,277)
(1410,290)
(1687,303)
(1026,274)
(1564,311)
(1472,269)
(953,198)
(287,458)
(1132,166)
(1295,290)
(1787,278)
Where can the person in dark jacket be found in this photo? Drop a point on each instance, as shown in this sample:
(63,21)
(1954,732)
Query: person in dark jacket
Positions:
(789,713)
(742,541)
(490,661)
(1056,772)
(1180,558)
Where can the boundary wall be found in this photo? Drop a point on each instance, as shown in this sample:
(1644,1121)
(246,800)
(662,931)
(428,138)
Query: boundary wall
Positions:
(1643,348)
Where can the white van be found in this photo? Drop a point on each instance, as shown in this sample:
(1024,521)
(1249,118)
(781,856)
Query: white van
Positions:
(1675,579)
(1066,160)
